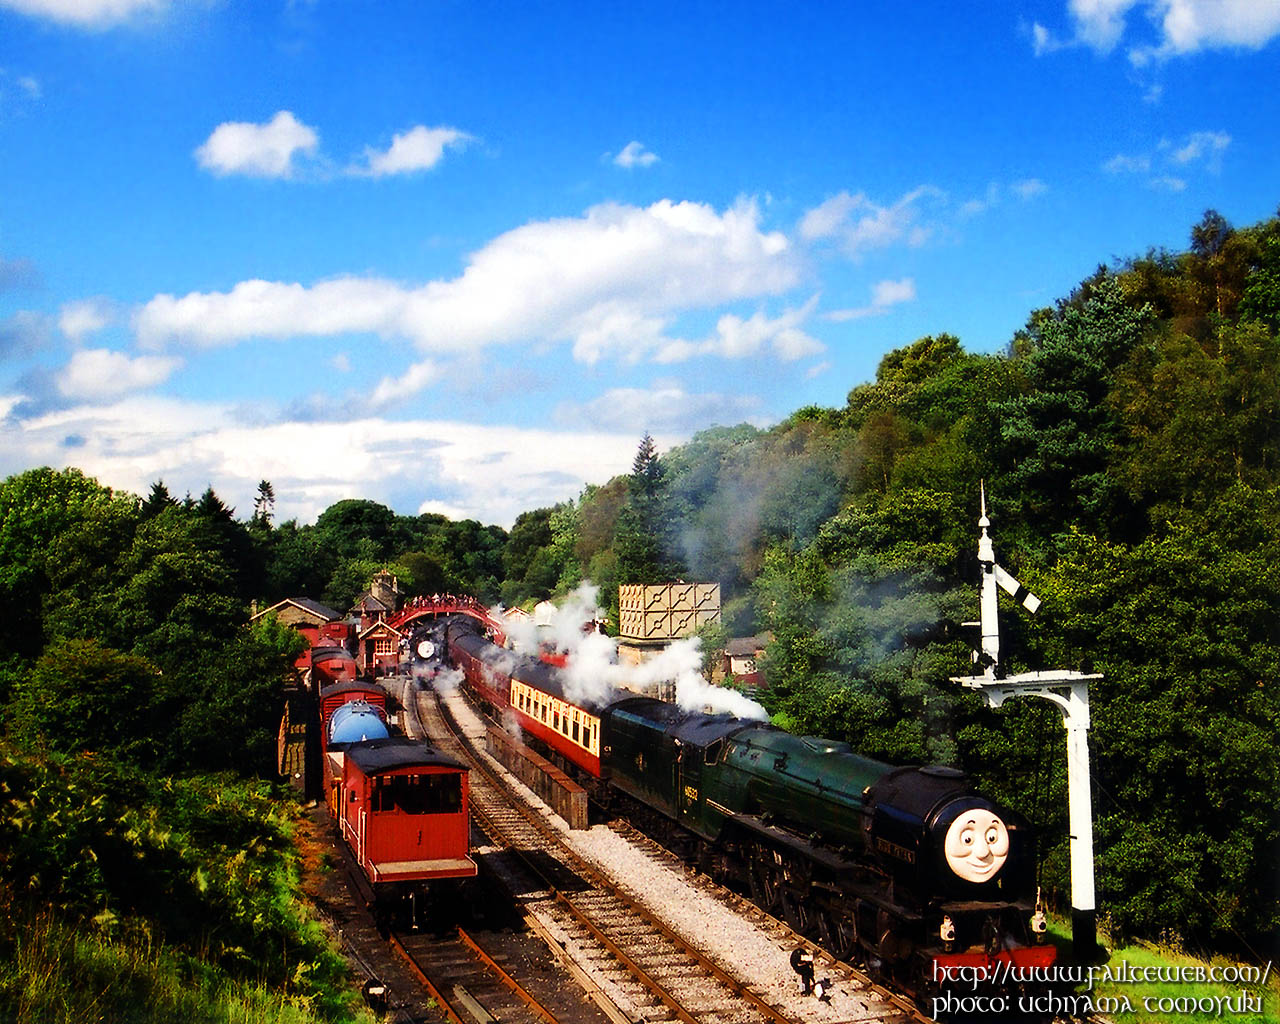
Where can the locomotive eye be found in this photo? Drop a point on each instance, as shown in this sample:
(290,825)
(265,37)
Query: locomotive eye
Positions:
(976,845)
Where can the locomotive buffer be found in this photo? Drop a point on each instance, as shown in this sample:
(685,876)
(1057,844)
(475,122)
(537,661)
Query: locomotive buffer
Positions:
(1069,690)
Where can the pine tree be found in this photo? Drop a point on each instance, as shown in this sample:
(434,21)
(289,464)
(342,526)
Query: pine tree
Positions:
(264,506)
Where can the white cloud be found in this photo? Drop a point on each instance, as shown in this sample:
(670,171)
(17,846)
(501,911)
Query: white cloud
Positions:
(858,224)
(78,320)
(418,149)
(99,374)
(409,383)
(1024,191)
(1208,146)
(1204,149)
(491,473)
(736,338)
(668,408)
(1042,40)
(1181,26)
(884,296)
(89,14)
(1192,25)
(1100,23)
(635,155)
(257,150)
(608,282)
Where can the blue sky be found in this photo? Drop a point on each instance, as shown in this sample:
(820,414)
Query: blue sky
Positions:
(458,257)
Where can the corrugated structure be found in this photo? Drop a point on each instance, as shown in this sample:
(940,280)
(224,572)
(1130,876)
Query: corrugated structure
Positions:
(667,611)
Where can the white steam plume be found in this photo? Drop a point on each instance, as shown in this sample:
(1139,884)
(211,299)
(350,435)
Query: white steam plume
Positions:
(593,672)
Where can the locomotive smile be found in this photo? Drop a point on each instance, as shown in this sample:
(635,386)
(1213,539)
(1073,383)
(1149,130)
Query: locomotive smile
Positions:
(977,845)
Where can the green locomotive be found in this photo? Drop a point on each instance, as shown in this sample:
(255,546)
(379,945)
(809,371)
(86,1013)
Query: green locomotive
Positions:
(907,869)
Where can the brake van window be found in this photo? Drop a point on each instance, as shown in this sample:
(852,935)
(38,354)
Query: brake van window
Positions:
(419,794)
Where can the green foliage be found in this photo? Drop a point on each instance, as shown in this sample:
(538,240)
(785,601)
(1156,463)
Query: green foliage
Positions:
(1185,721)
(1058,437)
(241,681)
(204,866)
(36,507)
(82,696)
(1198,415)
(644,540)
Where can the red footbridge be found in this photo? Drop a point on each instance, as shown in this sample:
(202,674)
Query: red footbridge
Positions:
(446,604)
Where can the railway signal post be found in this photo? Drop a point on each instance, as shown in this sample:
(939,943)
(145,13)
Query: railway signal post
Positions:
(1067,689)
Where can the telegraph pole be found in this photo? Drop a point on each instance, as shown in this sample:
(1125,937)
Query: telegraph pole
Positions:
(1069,691)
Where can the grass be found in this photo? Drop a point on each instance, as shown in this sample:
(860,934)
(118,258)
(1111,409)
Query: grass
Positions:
(1144,984)
(54,973)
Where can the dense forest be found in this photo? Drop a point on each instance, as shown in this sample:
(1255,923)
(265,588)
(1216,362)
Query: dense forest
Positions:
(1128,440)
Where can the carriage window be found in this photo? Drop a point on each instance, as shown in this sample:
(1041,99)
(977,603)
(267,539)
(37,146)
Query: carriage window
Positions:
(419,794)
(575,728)
(555,721)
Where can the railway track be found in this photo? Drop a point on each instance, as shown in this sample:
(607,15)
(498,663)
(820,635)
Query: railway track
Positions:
(646,968)
(470,985)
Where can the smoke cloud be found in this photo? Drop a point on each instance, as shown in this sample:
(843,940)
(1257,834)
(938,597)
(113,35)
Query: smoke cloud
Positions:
(593,675)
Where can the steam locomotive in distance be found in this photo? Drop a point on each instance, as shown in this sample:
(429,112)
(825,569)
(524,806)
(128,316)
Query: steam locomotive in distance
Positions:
(906,869)
(399,805)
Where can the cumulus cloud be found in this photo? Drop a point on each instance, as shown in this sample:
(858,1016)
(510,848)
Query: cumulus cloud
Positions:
(87,14)
(858,224)
(1181,26)
(491,473)
(738,338)
(634,154)
(77,320)
(257,150)
(418,149)
(884,296)
(100,374)
(612,280)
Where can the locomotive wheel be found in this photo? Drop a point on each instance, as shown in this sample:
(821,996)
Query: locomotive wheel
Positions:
(798,912)
(838,932)
(766,885)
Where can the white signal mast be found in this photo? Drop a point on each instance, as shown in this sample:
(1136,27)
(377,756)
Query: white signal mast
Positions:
(1069,690)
